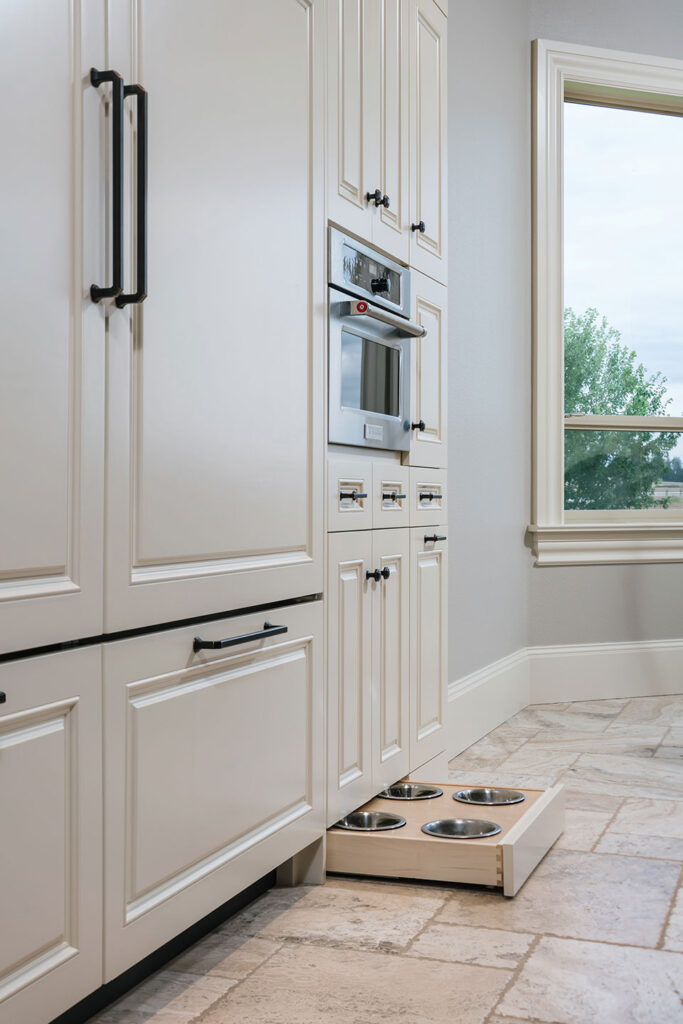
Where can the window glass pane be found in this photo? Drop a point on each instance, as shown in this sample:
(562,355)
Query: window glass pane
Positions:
(623,262)
(620,469)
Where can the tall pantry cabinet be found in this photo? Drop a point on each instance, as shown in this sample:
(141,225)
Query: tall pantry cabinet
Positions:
(162,460)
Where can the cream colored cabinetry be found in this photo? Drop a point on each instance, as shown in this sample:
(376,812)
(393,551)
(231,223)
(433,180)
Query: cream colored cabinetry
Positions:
(428,181)
(368,665)
(368,121)
(54,130)
(429,374)
(428,641)
(214,770)
(51,848)
(215,383)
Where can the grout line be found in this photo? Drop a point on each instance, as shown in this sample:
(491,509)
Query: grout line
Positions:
(662,934)
(233,988)
(609,823)
(515,975)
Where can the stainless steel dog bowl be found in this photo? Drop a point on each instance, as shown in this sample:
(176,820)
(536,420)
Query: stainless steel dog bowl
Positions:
(461,828)
(410,791)
(489,797)
(371,821)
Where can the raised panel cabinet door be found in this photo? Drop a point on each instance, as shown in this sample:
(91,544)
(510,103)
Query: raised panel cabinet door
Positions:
(216,382)
(428,182)
(429,374)
(349,673)
(214,770)
(391,656)
(390,224)
(55,130)
(428,642)
(352,105)
(51,848)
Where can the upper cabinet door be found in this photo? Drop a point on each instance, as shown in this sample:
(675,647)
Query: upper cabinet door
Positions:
(428,184)
(215,383)
(429,374)
(368,121)
(55,131)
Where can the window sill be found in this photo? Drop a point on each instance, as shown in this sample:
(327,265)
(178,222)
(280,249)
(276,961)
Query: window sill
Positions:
(607,543)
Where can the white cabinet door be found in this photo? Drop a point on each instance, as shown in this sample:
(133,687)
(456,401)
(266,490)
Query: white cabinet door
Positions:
(368,121)
(216,382)
(429,374)
(55,133)
(51,848)
(349,673)
(390,656)
(428,183)
(214,770)
(428,642)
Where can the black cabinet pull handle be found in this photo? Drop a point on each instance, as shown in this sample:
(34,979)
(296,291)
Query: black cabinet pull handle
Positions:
(392,496)
(418,426)
(419,227)
(430,496)
(377,574)
(218,645)
(353,495)
(98,292)
(140,293)
(3,697)
(434,538)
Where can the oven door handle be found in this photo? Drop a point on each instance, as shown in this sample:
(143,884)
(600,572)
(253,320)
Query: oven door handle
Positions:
(359,307)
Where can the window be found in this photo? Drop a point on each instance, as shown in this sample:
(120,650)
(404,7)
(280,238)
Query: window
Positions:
(608,396)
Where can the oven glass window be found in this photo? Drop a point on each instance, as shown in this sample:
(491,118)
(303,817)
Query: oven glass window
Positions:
(370,375)
(372,276)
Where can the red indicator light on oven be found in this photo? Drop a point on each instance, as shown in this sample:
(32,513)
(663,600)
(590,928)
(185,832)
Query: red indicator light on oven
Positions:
(362,307)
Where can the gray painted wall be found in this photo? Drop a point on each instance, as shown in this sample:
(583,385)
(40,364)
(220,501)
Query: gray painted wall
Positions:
(499,602)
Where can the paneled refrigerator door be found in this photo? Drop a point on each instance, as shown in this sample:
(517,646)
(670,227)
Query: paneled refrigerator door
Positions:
(55,190)
(215,381)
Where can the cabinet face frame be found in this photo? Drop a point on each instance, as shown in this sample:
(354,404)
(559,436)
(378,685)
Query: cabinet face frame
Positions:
(429,643)
(160,567)
(349,672)
(429,373)
(52,386)
(428,160)
(51,744)
(166,711)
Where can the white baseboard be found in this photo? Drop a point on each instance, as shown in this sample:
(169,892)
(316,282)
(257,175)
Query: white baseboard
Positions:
(485,699)
(480,702)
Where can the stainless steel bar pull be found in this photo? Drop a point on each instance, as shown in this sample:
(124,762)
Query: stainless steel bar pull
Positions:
(97,291)
(218,645)
(359,307)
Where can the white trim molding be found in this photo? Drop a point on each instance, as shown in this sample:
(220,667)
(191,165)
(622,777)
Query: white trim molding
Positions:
(483,700)
(561,71)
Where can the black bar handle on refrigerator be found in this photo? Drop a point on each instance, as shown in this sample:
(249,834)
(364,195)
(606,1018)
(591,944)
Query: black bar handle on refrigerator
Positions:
(218,645)
(98,292)
(140,293)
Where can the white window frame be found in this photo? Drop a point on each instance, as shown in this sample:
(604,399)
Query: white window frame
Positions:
(576,537)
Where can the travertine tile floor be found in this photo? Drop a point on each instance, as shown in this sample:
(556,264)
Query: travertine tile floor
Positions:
(594,937)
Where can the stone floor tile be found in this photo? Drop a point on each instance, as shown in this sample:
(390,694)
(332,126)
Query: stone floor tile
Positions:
(550,707)
(490,750)
(656,847)
(576,721)
(670,753)
(582,829)
(579,895)
(665,710)
(225,953)
(604,708)
(642,816)
(569,982)
(640,741)
(167,997)
(539,759)
(487,947)
(367,917)
(673,938)
(318,985)
(590,801)
(625,776)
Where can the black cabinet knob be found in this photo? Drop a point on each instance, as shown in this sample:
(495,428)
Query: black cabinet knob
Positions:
(386,573)
(374,197)
(385,201)
(379,284)
(418,227)
(377,574)
(418,426)
(434,538)
(3,697)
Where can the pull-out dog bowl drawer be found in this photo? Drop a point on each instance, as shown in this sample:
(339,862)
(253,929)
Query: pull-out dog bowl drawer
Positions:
(528,829)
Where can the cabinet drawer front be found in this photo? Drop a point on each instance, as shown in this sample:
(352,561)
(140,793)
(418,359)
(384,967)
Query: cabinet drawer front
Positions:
(349,494)
(212,770)
(51,849)
(390,495)
(427,497)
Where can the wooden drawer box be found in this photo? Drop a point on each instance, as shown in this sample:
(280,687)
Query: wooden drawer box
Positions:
(505,860)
